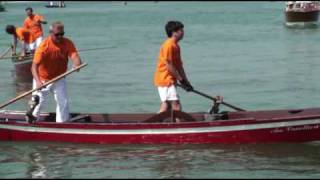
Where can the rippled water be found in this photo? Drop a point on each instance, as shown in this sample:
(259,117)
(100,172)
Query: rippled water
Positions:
(54,160)
(240,50)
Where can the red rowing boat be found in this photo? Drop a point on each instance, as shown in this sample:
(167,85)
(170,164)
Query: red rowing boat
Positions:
(270,126)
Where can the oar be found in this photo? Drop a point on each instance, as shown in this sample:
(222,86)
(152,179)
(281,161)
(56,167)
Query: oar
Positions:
(5,52)
(45,84)
(81,50)
(16,56)
(214,99)
(93,49)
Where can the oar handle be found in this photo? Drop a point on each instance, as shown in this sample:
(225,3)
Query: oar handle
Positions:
(45,84)
(214,99)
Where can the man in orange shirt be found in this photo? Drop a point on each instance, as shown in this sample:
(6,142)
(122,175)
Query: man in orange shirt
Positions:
(33,23)
(170,69)
(51,60)
(25,36)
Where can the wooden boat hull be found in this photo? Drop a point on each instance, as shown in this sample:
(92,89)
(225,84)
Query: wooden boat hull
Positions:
(295,16)
(240,127)
(191,136)
(22,70)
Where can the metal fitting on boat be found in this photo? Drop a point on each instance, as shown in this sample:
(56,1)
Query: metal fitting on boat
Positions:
(34,101)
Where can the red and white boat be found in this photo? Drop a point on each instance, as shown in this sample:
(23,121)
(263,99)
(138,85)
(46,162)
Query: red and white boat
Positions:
(270,126)
(302,13)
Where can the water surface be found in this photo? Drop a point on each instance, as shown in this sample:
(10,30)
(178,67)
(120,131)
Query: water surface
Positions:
(240,50)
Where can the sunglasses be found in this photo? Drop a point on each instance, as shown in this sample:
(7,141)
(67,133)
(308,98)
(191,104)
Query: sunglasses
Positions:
(59,34)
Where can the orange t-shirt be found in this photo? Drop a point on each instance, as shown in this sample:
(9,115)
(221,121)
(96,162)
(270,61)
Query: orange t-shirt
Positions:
(33,25)
(25,35)
(169,51)
(52,59)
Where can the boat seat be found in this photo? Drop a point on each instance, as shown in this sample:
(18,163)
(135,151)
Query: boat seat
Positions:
(171,115)
(82,117)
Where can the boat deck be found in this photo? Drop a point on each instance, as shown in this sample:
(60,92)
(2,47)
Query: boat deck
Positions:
(168,117)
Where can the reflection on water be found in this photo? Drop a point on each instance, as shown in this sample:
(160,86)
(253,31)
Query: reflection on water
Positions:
(66,160)
(314,25)
(37,169)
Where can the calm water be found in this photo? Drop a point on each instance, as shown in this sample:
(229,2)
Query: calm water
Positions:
(240,50)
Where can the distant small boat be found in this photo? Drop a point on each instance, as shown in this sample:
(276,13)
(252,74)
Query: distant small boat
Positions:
(302,13)
(1,7)
(59,4)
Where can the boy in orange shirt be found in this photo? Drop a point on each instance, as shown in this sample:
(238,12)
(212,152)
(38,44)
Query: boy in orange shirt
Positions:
(170,68)
(25,36)
(33,23)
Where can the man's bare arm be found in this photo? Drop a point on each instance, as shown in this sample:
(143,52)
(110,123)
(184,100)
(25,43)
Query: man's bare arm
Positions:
(76,60)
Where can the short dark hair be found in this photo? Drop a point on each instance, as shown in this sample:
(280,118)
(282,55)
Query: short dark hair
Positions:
(173,26)
(29,8)
(10,29)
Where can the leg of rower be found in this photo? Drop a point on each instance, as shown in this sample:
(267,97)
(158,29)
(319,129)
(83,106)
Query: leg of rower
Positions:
(163,107)
(43,94)
(38,41)
(61,98)
(163,98)
(173,97)
(32,48)
(176,106)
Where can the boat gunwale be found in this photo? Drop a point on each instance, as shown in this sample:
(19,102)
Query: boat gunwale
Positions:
(159,125)
(17,118)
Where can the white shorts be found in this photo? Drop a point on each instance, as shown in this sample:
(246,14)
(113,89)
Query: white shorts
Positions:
(34,45)
(30,47)
(38,41)
(168,93)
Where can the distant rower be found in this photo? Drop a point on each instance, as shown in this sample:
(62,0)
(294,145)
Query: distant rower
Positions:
(33,23)
(25,36)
